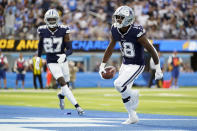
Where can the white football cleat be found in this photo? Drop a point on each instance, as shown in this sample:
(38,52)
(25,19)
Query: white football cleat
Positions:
(132,119)
(134,99)
(61,101)
(80,111)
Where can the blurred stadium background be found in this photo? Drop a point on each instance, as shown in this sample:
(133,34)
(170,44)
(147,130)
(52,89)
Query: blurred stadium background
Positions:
(171,25)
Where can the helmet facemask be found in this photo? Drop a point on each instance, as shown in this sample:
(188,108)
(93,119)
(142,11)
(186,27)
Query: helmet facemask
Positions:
(119,21)
(51,22)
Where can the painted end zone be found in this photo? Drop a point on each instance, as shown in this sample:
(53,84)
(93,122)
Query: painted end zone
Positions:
(14,118)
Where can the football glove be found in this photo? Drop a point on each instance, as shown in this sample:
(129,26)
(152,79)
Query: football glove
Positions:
(158,73)
(102,69)
(62,58)
(37,64)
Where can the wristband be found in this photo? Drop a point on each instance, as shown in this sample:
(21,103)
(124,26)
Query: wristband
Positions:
(102,65)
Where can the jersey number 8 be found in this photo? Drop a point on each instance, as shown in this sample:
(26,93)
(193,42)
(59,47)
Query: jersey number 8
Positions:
(49,42)
(128,49)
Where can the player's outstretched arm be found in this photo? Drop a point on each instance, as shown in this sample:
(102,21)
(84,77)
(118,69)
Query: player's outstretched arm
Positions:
(107,55)
(144,41)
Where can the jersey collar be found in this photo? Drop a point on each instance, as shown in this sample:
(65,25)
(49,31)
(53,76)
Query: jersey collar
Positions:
(122,35)
(53,32)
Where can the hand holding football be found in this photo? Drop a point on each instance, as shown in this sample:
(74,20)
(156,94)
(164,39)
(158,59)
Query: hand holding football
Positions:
(110,72)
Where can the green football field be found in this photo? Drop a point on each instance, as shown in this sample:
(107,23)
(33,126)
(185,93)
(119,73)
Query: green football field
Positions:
(182,101)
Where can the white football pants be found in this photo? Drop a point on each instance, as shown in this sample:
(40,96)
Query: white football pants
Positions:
(60,70)
(127,74)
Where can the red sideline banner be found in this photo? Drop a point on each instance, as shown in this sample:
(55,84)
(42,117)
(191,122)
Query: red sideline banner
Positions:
(18,45)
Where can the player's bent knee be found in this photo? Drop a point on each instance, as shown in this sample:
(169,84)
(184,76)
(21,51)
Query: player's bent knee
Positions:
(118,85)
(119,89)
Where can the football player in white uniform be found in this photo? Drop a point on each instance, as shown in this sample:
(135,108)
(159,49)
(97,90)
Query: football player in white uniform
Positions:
(132,40)
(55,41)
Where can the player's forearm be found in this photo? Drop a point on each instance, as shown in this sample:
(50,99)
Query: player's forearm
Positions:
(109,50)
(154,54)
(107,55)
(69,50)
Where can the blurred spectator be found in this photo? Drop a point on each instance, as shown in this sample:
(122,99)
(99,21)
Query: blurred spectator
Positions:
(9,23)
(72,5)
(174,63)
(20,67)
(80,66)
(3,68)
(186,68)
(90,20)
(36,73)
(96,68)
(1,20)
(73,70)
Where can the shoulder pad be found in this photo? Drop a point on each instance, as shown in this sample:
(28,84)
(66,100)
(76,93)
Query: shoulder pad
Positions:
(66,28)
(114,25)
(139,30)
(41,28)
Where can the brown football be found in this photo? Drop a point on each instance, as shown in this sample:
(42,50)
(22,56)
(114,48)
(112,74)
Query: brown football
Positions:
(110,72)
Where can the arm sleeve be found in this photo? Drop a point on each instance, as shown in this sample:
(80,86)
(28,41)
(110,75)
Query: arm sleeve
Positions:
(40,46)
(69,49)
(113,33)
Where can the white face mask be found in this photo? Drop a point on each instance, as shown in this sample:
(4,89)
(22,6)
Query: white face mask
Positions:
(52,22)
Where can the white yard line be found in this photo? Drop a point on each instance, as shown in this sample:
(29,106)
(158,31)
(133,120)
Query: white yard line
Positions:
(167,101)
(26,123)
